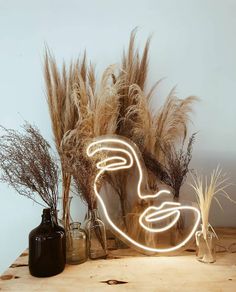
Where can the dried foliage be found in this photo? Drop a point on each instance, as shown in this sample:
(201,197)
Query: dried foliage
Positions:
(63,113)
(147,128)
(82,169)
(173,172)
(206,190)
(97,108)
(82,109)
(28,166)
(172,120)
(131,78)
(133,72)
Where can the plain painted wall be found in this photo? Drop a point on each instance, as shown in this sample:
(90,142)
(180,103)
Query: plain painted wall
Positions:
(193,46)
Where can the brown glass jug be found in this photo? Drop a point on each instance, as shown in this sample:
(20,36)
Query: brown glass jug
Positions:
(47,247)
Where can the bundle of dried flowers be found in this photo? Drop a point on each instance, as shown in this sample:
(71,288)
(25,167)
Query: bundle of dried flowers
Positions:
(28,166)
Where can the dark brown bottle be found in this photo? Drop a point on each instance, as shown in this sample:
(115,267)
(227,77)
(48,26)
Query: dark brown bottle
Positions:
(47,248)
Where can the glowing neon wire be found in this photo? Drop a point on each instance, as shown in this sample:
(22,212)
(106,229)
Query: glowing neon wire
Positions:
(122,163)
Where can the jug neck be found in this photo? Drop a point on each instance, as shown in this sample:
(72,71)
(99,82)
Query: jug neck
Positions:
(47,216)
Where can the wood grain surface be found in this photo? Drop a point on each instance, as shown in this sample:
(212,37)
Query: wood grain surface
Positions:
(126,270)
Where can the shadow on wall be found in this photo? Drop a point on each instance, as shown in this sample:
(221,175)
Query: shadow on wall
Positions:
(204,163)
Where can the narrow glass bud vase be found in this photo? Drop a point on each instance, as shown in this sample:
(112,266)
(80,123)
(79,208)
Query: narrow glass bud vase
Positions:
(47,247)
(76,242)
(206,246)
(97,245)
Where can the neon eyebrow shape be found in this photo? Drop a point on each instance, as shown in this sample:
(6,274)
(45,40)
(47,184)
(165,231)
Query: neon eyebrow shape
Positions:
(150,214)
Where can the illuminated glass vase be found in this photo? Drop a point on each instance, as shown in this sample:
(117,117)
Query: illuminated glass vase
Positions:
(97,243)
(206,246)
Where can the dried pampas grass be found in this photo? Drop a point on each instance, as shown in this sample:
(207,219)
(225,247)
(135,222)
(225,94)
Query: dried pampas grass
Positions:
(171,121)
(82,108)
(206,190)
(149,129)
(97,107)
(133,73)
(63,112)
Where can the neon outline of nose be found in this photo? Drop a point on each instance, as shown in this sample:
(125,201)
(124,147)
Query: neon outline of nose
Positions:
(122,165)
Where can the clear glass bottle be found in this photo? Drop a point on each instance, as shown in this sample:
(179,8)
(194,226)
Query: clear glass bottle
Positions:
(97,244)
(76,245)
(206,246)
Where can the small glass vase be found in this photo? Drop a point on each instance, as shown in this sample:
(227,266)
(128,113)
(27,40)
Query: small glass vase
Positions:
(97,244)
(206,246)
(76,245)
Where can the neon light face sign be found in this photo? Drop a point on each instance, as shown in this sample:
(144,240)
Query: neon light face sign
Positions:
(120,154)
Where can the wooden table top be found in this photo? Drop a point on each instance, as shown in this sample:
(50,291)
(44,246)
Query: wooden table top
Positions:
(125,270)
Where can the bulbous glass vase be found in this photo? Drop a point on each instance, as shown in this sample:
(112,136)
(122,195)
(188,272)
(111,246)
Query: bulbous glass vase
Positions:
(76,243)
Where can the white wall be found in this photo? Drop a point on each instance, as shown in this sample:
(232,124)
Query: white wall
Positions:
(193,46)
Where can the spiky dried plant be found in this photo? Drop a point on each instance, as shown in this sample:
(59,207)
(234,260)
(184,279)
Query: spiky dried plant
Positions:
(206,190)
(28,166)
(63,112)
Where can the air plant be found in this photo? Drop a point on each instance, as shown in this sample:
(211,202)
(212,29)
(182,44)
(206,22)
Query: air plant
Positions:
(28,166)
(206,190)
